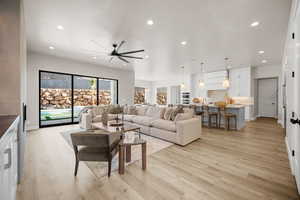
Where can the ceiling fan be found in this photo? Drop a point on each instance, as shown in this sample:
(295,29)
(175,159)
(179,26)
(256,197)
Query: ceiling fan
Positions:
(123,56)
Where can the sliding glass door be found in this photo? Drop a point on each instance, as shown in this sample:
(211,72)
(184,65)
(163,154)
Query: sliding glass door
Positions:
(63,96)
(84,94)
(55,98)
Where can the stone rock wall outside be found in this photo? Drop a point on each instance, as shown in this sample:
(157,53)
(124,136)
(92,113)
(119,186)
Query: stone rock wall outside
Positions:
(61,98)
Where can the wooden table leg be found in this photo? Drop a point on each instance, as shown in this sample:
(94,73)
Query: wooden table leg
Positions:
(128,153)
(144,156)
(121,160)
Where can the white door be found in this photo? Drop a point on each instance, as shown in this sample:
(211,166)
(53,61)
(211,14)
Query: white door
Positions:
(292,75)
(296,56)
(267,97)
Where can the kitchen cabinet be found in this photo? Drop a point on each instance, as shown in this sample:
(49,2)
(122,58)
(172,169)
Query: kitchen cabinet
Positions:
(240,82)
(9,158)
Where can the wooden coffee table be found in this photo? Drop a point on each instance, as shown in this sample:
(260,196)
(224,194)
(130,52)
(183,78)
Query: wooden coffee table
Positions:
(125,148)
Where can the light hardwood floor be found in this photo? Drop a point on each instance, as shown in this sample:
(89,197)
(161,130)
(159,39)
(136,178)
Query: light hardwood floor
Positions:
(248,164)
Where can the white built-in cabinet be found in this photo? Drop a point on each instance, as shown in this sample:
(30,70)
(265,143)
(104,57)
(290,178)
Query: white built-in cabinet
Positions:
(9,162)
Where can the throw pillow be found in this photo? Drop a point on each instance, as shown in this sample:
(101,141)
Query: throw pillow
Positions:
(132,110)
(175,112)
(168,112)
(141,110)
(162,113)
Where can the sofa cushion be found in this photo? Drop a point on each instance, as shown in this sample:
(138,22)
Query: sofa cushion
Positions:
(132,110)
(128,117)
(164,124)
(183,116)
(97,110)
(143,120)
(141,110)
(155,112)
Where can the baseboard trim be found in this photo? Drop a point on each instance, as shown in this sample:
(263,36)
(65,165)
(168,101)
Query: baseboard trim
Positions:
(31,127)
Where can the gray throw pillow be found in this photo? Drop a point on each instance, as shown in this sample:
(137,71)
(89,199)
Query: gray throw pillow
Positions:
(175,112)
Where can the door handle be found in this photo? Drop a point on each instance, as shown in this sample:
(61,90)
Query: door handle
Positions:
(8,152)
(295,121)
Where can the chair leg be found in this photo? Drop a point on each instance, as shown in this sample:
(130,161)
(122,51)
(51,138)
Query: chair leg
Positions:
(235,119)
(227,124)
(209,121)
(76,167)
(109,168)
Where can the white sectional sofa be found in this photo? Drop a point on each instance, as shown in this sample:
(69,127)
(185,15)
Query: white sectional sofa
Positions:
(182,130)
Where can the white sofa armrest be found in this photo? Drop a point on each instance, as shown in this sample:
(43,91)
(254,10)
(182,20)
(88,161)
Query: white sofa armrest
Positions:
(86,121)
(188,130)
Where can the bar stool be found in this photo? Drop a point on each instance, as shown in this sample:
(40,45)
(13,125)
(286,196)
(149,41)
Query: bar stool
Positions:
(226,116)
(210,115)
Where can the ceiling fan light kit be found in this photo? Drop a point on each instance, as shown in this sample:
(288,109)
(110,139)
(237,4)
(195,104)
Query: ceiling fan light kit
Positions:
(123,55)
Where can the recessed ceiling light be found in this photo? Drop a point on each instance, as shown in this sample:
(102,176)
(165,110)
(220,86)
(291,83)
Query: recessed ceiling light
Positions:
(264,61)
(60,27)
(150,22)
(253,24)
(183,42)
(51,48)
(94,57)
(261,52)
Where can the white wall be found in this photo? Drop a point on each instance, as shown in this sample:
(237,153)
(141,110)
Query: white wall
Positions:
(268,71)
(36,62)
(10,57)
(13,66)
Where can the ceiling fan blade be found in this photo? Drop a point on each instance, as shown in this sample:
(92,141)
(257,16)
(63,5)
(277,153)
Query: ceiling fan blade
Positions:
(129,52)
(120,45)
(123,59)
(130,57)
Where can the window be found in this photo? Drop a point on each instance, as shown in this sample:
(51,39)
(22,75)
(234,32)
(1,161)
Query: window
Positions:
(63,96)
(161,96)
(108,90)
(139,95)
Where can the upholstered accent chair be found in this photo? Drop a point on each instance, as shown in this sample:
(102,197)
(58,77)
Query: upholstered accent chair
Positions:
(95,145)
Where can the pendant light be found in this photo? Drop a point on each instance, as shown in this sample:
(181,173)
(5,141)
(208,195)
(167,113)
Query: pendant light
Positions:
(201,82)
(226,83)
(182,86)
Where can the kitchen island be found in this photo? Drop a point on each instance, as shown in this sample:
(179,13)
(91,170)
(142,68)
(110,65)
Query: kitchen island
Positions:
(237,109)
